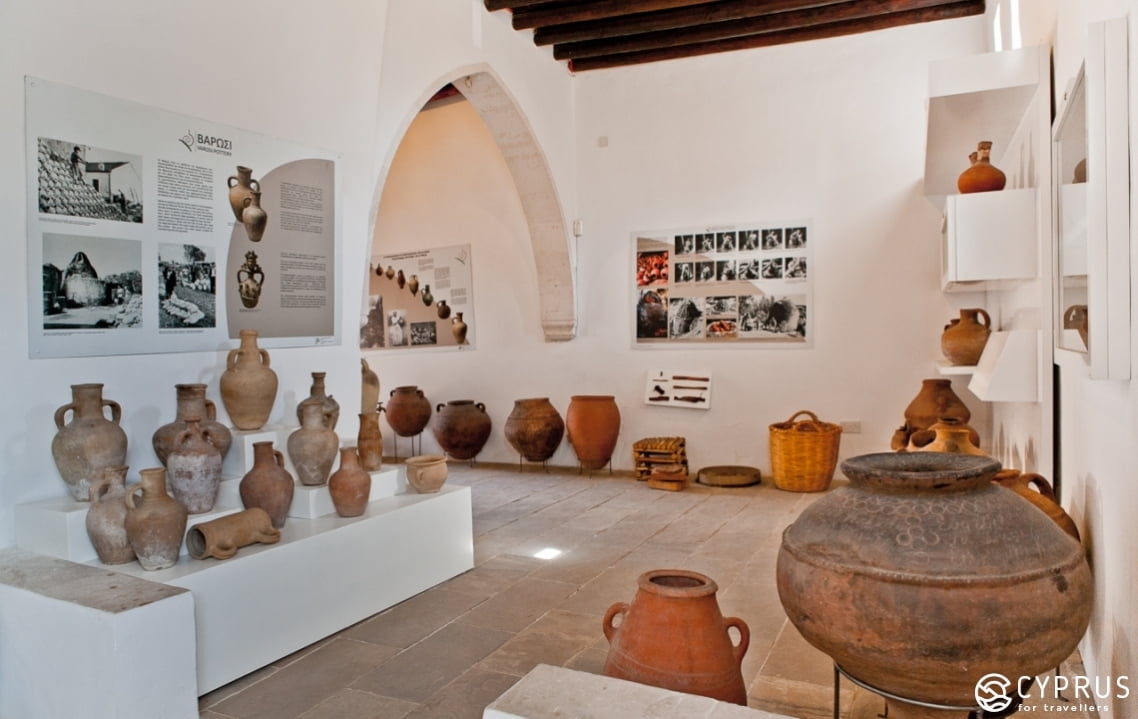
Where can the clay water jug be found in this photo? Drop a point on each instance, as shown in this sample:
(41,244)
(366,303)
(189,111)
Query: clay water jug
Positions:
(459,328)
(534,428)
(319,395)
(192,402)
(413,285)
(350,485)
(193,468)
(106,518)
(250,278)
(268,485)
(442,309)
(593,424)
(1037,490)
(221,538)
(369,442)
(461,427)
(155,521)
(982,175)
(253,217)
(427,297)
(313,447)
(963,339)
(248,385)
(934,401)
(89,443)
(408,410)
(241,187)
(672,635)
(369,389)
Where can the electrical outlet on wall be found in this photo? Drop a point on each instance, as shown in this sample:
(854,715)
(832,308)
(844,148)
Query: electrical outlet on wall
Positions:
(850,426)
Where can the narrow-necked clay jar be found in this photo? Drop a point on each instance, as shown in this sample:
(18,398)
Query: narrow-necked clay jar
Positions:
(312,448)
(194,468)
(369,442)
(155,521)
(106,518)
(350,485)
(963,339)
(317,393)
(982,175)
(241,186)
(248,385)
(192,402)
(268,484)
(89,443)
(254,217)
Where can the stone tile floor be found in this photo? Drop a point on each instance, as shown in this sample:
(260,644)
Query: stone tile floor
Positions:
(453,649)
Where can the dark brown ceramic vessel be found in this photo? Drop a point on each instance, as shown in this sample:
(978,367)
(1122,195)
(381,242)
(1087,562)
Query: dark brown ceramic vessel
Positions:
(268,484)
(89,443)
(461,427)
(963,339)
(535,428)
(192,402)
(408,410)
(106,518)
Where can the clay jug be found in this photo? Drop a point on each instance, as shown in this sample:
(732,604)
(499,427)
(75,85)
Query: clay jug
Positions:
(672,635)
(1037,490)
(318,394)
(400,279)
(427,297)
(268,484)
(593,424)
(221,538)
(426,473)
(192,402)
(369,442)
(963,339)
(934,401)
(408,410)
(248,385)
(193,468)
(89,443)
(106,518)
(442,309)
(350,485)
(155,522)
(253,217)
(1075,318)
(241,187)
(390,272)
(948,435)
(413,285)
(535,428)
(250,278)
(461,427)
(458,328)
(982,176)
(921,561)
(313,447)
(369,394)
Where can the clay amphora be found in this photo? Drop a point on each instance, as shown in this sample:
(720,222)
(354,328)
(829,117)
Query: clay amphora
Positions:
(253,217)
(369,394)
(427,297)
(106,518)
(921,561)
(442,309)
(1037,490)
(426,473)
(369,442)
(535,428)
(413,285)
(934,401)
(192,402)
(948,435)
(390,272)
(313,447)
(672,635)
(268,485)
(241,187)
(400,279)
(318,394)
(408,410)
(461,427)
(350,485)
(248,385)
(155,521)
(250,278)
(963,339)
(458,328)
(221,538)
(593,424)
(193,468)
(90,442)
(981,176)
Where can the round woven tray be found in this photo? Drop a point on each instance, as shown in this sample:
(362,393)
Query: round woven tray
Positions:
(729,475)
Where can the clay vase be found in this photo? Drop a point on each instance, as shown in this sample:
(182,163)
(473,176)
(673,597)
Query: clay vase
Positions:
(458,328)
(461,427)
(268,485)
(442,309)
(369,389)
(427,297)
(89,443)
(963,340)
(369,442)
(426,473)
(672,635)
(949,435)
(253,217)
(221,538)
(1037,490)
(248,385)
(920,562)
(318,394)
(155,522)
(1075,318)
(250,278)
(106,518)
(534,428)
(390,272)
(192,402)
(193,468)
(408,410)
(400,279)
(350,485)
(934,401)
(313,447)
(593,424)
(413,285)
(982,176)
(241,187)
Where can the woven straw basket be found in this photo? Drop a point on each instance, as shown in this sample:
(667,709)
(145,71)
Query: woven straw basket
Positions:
(804,454)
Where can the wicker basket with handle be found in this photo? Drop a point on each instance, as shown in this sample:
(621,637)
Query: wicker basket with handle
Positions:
(804,453)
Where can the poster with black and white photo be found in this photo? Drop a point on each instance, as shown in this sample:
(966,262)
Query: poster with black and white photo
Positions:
(151,231)
(731,284)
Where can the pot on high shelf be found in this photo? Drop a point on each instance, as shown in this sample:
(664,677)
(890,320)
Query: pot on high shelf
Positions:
(593,424)
(981,175)
(248,385)
(461,427)
(963,339)
(89,443)
(534,428)
(155,521)
(408,410)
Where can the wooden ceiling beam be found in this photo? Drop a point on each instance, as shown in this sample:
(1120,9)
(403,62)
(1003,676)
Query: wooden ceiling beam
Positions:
(962,8)
(591,10)
(495,5)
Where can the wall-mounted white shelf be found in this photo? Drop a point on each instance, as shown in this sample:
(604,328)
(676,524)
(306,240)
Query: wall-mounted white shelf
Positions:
(948,369)
(1008,370)
(988,237)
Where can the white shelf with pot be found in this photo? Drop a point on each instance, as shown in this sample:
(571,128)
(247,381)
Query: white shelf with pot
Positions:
(1008,368)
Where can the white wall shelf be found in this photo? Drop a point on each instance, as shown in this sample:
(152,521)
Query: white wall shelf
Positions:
(988,237)
(1008,368)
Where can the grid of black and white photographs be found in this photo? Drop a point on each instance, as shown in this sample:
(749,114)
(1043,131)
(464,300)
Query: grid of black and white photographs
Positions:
(747,283)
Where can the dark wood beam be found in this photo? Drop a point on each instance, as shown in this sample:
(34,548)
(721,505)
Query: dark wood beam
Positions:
(589,10)
(553,29)
(495,5)
(962,8)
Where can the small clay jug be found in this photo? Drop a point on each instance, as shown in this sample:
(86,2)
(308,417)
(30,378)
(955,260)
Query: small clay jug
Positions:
(155,522)
(318,394)
(427,297)
(982,175)
(194,468)
(192,402)
(933,402)
(413,285)
(459,329)
(593,425)
(241,187)
(442,309)
(369,389)
(948,435)
(221,538)
(268,484)
(534,428)
(461,427)
(350,485)
(250,278)
(1037,490)
(106,518)
(312,448)
(369,442)
(408,410)
(254,217)
(89,443)
(963,339)
(672,635)
(248,385)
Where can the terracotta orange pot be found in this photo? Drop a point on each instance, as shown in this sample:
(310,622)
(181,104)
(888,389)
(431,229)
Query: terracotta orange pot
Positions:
(963,339)
(982,175)
(593,424)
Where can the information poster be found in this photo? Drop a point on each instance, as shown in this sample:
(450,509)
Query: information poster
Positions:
(150,231)
(738,284)
(420,299)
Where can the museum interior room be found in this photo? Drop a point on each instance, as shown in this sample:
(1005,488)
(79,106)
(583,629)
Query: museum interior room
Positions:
(875,265)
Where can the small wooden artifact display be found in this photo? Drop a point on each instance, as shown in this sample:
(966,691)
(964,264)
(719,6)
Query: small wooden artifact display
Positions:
(669,477)
(652,451)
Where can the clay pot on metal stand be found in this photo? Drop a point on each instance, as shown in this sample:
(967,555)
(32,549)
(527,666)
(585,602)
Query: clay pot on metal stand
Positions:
(534,428)
(268,485)
(313,447)
(155,521)
(241,187)
(933,402)
(90,442)
(672,635)
(461,427)
(408,410)
(221,538)
(194,468)
(192,402)
(963,339)
(248,385)
(982,175)
(318,394)
(593,424)
(350,485)
(106,518)
(369,442)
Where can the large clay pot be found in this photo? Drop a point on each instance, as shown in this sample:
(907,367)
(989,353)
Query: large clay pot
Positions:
(593,424)
(250,278)
(106,518)
(949,435)
(426,473)
(369,442)
(461,427)
(193,468)
(459,328)
(535,428)
(241,186)
(1037,490)
(156,522)
(221,538)
(934,401)
(318,394)
(982,175)
(408,410)
(313,447)
(248,385)
(672,635)
(254,217)
(350,485)
(192,402)
(268,485)
(369,386)
(921,577)
(89,443)
(963,340)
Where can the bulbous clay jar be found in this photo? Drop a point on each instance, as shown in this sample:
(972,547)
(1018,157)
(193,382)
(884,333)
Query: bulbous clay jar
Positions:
(317,393)
(192,402)
(248,385)
(89,443)
(193,468)
(982,175)
(461,427)
(408,410)
(963,339)
(221,538)
(106,518)
(254,217)
(350,485)
(155,521)
(593,424)
(313,447)
(534,428)
(933,402)
(268,484)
